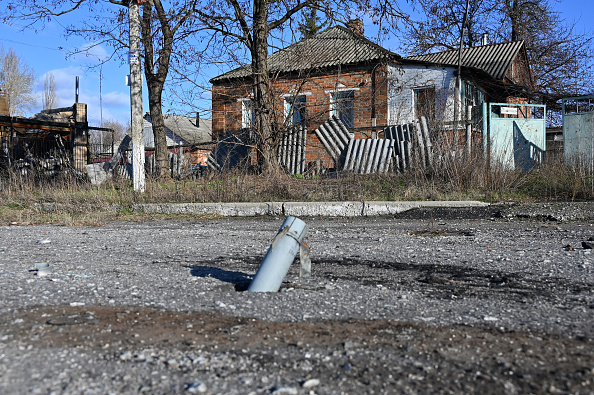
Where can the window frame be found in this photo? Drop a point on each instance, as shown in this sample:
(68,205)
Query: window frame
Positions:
(426,104)
(300,101)
(247,113)
(339,96)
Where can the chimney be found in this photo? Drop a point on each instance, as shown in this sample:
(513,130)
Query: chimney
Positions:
(356,26)
(3,103)
(485,39)
(197,119)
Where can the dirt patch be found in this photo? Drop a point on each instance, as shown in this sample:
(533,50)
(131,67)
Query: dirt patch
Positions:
(378,356)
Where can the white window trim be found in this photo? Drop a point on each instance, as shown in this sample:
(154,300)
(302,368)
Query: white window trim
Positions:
(333,101)
(330,92)
(295,94)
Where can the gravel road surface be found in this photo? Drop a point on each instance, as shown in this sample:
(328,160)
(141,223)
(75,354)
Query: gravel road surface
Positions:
(425,303)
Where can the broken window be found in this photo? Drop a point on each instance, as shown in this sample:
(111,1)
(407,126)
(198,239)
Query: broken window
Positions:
(343,106)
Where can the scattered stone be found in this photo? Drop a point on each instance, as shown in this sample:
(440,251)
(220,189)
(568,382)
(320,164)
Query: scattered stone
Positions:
(568,248)
(285,391)
(197,387)
(140,358)
(307,384)
(172,363)
(246,380)
(588,245)
(126,356)
(44,241)
(349,345)
(490,318)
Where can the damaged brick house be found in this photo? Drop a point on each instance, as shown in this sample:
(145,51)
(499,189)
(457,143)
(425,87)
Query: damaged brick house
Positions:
(339,72)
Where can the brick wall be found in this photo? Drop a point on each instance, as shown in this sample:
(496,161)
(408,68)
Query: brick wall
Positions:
(369,84)
(519,72)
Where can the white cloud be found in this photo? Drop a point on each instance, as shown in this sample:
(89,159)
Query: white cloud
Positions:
(116,99)
(115,104)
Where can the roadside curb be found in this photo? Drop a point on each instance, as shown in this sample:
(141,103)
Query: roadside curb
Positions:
(300,209)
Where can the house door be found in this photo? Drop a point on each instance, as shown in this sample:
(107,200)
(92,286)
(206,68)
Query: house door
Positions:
(578,130)
(516,134)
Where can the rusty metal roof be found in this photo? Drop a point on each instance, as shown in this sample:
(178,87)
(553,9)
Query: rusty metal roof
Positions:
(494,59)
(336,46)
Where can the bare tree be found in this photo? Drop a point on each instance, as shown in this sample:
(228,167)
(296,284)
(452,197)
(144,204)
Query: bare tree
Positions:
(441,27)
(17,80)
(163,29)
(49,99)
(160,30)
(252,24)
(119,130)
(101,139)
(560,57)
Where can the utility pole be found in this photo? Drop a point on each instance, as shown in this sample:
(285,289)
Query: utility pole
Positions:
(138,177)
(458,88)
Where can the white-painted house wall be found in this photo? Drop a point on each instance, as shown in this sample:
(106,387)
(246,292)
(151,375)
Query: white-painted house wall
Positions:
(404,79)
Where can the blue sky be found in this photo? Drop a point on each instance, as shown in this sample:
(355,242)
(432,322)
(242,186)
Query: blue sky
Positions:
(45,51)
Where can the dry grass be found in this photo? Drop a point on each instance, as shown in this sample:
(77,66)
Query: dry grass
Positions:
(70,200)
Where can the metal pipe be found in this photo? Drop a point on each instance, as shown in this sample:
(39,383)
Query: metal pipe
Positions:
(280,255)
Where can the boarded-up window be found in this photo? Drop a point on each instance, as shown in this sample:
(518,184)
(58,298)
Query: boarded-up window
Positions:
(425,102)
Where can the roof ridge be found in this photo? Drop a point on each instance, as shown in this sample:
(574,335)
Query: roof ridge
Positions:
(336,45)
(465,48)
(366,40)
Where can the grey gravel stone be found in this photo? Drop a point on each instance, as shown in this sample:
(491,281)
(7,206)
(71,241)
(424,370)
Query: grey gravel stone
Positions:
(421,311)
(126,356)
(285,391)
(197,387)
(307,384)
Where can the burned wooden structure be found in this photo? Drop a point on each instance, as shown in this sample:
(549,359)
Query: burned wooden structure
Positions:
(51,142)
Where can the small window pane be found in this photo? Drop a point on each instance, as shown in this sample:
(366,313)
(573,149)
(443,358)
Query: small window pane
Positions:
(248,118)
(425,102)
(296,109)
(344,107)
